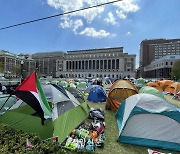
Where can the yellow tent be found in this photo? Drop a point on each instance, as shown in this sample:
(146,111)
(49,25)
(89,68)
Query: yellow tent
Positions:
(119,91)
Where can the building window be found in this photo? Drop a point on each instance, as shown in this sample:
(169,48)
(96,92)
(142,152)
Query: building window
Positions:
(166,63)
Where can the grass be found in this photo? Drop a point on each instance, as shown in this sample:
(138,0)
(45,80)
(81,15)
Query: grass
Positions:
(111,132)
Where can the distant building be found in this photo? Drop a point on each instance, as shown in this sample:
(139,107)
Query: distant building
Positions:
(151,50)
(161,68)
(13,65)
(91,63)
(49,63)
(103,62)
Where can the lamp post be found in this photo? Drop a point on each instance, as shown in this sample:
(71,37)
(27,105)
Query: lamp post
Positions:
(22,63)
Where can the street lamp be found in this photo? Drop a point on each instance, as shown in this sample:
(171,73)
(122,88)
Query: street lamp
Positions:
(22,63)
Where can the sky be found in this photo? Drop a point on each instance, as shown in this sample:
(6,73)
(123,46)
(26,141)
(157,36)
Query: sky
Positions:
(121,24)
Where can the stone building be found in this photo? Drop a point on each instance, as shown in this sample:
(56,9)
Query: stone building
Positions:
(104,62)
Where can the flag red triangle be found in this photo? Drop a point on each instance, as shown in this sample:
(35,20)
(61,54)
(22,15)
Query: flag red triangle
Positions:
(29,84)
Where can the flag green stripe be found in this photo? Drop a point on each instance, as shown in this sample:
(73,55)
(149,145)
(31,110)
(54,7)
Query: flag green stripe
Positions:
(46,107)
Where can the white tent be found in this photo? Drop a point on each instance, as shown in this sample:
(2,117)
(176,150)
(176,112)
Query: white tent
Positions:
(147,120)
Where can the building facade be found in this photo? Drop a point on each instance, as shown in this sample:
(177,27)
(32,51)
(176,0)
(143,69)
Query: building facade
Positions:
(49,63)
(161,68)
(92,63)
(104,62)
(151,50)
(13,65)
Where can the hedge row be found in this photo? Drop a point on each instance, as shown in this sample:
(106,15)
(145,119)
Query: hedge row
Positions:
(14,141)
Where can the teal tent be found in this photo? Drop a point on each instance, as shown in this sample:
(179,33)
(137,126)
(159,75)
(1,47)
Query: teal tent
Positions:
(147,120)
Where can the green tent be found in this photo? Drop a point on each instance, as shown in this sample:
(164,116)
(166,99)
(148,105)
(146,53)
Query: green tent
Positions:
(24,118)
(82,86)
(140,82)
(63,83)
(67,114)
(151,90)
(55,82)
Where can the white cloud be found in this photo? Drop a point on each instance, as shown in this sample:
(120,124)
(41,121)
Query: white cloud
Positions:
(126,6)
(91,32)
(111,19)
(77,23)
(68,23)
(66,5)
(128,33)
(121,14)
(74,20)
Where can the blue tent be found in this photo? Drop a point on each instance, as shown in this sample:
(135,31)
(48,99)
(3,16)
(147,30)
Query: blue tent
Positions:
(97,94)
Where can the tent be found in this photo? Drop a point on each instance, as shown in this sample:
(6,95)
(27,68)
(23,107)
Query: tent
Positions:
(154,85)
(88,89)
(106,82)
(81,86)
(120,90)
(72,85)
(165,83)
(174,88)
(140,82)
(6,105)
(148,120)
(55,82)
(21,116)
(67,114)
(63,83)
(151,90)
(97,94)
(77,94)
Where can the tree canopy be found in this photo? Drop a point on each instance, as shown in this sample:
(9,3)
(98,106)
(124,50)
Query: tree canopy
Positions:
(176,70)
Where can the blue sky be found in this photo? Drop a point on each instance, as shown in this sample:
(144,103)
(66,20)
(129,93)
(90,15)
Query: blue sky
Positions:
(124,24)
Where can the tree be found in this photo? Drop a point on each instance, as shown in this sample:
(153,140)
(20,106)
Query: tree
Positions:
(175,73)
(16,70)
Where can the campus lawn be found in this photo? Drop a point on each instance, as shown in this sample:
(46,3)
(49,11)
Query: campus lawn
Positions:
(111,132)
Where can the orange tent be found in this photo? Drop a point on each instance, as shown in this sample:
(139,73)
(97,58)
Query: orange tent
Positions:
(119,91)
(164,83)
(154,85)
(173,88)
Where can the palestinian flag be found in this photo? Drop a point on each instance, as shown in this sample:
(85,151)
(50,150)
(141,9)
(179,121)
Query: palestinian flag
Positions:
(30,91)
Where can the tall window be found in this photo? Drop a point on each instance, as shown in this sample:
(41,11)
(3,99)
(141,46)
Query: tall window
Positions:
(94,64)
(79,64)
(105,64)
(113,64)
(109,64)
(117,63)
(83,64)
(97,64)
(101,64)
(90,64)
